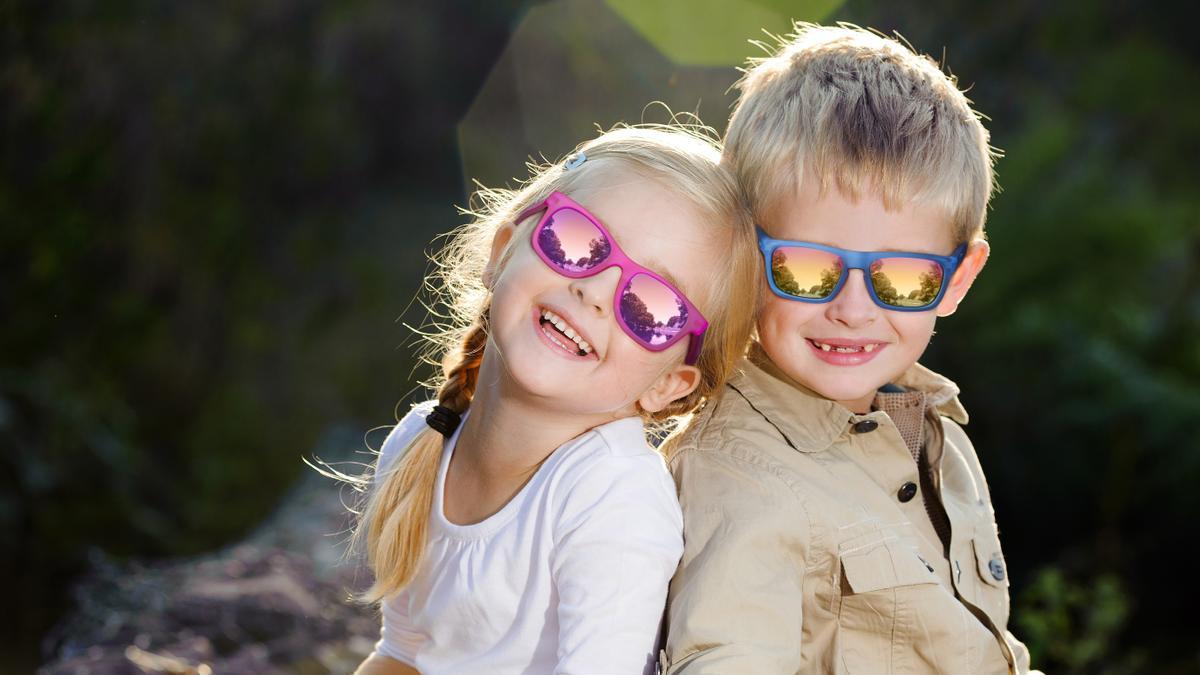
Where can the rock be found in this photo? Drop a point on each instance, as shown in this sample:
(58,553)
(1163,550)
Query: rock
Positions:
(278,603)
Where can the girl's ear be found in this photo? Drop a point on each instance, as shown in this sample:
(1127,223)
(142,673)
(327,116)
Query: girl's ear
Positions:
(499,245)
(964,276)
(670,386)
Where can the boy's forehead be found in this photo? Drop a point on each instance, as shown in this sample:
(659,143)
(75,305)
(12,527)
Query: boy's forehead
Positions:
(867,220)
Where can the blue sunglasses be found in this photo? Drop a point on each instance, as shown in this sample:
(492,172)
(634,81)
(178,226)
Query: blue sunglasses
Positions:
(904,282)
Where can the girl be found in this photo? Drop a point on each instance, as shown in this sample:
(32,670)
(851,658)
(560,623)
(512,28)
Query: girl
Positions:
(521,523)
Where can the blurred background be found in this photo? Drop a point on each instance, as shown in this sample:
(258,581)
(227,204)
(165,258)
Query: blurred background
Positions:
(214,218)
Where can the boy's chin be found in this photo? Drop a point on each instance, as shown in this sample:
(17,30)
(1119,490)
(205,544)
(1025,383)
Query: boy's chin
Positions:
(848,392)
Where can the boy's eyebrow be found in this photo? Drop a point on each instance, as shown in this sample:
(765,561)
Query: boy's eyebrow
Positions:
(874,250)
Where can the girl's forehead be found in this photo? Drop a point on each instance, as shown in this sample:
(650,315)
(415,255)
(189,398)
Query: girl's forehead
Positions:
(659,230)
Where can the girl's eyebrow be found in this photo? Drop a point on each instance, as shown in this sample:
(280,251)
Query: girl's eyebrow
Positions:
(655,265)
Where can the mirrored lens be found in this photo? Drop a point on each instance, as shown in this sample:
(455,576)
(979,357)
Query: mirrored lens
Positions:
(572,242)
(652,311)
(805,272)
(906,282)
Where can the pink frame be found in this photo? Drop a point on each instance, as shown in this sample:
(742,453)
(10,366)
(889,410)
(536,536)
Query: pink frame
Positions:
(696,324)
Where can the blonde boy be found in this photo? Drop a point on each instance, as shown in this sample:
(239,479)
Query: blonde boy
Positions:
(836,516)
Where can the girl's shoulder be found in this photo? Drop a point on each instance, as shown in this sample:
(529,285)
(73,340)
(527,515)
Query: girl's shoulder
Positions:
(619,445)
(610,460)
(401,435)
(610,485)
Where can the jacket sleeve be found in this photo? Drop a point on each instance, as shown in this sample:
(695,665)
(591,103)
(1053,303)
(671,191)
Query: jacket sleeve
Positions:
(1021,653)
(735,602)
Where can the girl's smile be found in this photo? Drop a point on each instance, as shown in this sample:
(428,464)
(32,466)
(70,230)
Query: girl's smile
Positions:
(562,336)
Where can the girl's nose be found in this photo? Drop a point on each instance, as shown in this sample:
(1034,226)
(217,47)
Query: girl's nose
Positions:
(596,292)
(853,306)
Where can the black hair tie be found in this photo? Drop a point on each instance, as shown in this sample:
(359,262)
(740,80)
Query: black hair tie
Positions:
(443,420)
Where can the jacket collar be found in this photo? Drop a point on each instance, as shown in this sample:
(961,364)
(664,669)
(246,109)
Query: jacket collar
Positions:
(811,423)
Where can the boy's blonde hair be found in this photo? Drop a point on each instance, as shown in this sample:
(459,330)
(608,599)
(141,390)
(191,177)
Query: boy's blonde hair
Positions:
(861,112)
(683,160)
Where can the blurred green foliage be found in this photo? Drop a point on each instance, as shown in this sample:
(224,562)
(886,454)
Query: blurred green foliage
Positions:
(714,32)
(211,216)
(1073,625)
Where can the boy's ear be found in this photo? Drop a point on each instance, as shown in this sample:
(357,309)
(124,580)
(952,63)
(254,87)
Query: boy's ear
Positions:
(964,276)
(670,386)
(499,245)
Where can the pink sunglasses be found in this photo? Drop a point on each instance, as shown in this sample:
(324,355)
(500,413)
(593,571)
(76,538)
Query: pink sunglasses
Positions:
(648,308)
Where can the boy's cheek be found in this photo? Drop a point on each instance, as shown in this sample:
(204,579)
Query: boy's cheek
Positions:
(780,330)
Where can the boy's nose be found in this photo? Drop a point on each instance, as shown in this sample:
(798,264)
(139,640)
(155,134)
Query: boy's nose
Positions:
(853,306)
(596,292)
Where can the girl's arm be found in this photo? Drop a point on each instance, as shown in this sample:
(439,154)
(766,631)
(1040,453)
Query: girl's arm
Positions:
(617,543)
(377,664)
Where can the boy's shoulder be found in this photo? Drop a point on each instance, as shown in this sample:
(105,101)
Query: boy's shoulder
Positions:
(729,441)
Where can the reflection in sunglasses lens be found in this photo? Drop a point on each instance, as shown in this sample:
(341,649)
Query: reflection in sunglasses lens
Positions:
(651,310)
(906,282)
(805,272)
(572,242)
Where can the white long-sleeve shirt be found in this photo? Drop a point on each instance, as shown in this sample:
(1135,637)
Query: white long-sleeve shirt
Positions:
(569,577)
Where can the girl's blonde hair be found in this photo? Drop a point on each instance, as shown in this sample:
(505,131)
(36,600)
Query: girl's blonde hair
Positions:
(683,159)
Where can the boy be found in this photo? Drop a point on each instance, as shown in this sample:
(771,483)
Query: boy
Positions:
(836,516)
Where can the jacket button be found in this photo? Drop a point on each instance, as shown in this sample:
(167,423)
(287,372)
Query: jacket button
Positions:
(865,426)
(996,568)
(907,492)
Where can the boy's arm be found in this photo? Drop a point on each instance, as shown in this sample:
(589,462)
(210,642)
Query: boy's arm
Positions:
(736,601)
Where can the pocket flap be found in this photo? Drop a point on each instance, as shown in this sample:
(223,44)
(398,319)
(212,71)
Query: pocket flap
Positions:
(989,561)
(887,565)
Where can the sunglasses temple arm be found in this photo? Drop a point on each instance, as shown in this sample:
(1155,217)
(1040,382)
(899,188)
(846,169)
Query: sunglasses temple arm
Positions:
(529,212)
(693,353)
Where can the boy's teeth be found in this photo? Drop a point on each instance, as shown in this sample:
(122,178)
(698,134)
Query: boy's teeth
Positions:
(846,349)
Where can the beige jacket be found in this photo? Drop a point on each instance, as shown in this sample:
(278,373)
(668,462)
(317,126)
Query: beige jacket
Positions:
(806,551)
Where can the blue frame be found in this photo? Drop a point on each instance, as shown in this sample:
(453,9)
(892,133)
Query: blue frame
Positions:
(859,260)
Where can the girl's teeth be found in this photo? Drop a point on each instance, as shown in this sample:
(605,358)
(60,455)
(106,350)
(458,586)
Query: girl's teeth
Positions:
(824,347)
(869,348)
(553,319)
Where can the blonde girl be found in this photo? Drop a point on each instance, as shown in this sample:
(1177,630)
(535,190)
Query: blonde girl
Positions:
(520,522)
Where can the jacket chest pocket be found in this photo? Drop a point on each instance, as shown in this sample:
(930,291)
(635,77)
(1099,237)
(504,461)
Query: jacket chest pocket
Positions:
(991,593)
(888,597)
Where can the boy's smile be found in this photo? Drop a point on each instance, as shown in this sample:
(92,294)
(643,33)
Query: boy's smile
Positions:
(847,348)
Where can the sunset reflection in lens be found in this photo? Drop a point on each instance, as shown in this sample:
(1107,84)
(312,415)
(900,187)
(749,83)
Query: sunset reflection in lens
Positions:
(571,241)
(906,282)
(651,310)
(805,272)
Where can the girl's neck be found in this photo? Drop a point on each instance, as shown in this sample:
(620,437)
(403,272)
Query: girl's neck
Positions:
(508,434)
(502,444)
